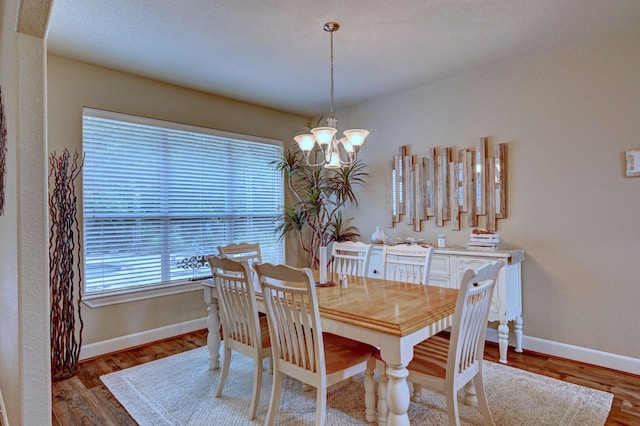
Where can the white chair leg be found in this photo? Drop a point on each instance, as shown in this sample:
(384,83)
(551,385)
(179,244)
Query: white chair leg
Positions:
(452,407)
(321,408)
(275,398)
(483,405)
(416,396)
(225,370)
(257,384)
(307,387)
(369,391)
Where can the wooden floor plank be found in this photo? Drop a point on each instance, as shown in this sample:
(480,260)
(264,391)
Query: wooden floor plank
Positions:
(84,400)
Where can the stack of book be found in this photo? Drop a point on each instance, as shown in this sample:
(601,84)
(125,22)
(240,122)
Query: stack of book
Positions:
(481,239)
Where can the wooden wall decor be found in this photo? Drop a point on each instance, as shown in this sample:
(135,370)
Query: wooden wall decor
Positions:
(3,153)
(446,183)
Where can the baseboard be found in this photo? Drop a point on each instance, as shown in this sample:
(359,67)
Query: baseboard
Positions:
(576,353)
(92,350)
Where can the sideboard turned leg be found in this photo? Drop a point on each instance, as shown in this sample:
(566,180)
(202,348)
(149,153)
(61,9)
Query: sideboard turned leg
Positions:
(503,340)
(517,330)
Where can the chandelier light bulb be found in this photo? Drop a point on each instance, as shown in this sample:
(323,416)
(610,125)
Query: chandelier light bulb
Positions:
(324,135)
(334,160)
(356,137)
(347,145)
(305,142)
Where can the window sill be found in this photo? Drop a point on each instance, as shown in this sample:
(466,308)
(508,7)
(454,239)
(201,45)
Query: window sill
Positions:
(141,293)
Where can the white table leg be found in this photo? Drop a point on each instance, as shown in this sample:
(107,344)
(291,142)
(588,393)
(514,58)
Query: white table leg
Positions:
(397,395)
(503,340)
(213,337)
(517,330)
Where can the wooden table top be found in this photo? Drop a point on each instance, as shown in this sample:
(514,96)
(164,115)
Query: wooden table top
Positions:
(390,307)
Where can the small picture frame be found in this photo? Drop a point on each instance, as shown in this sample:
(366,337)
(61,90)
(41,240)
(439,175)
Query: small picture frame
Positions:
(632,163)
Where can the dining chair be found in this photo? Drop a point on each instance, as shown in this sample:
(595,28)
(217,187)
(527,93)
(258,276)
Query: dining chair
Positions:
(242,251)
(301,349)
(409,263)
(350,257)
(448,365)
(243,330)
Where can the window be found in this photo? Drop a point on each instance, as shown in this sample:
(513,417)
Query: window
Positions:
(156,194)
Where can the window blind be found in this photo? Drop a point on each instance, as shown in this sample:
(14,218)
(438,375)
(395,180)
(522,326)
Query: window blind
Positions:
(156,193)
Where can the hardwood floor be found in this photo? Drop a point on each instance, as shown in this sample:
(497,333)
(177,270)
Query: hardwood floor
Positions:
(84,400)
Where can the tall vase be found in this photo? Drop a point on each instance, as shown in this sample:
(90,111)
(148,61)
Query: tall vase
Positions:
(378,236)
(323,264)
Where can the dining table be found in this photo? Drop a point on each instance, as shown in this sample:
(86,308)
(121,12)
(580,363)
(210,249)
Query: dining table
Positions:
(391,315)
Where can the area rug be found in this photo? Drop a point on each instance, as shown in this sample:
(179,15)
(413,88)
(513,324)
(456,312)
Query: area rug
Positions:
(178,390)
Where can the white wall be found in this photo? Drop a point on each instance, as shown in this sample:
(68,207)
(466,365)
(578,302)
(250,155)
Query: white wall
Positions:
(568,115)
(24,296)
(73,85)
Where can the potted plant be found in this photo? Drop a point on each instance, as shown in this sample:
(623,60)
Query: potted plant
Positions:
(318,195)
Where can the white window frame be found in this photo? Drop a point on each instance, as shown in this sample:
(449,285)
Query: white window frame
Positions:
(121,295)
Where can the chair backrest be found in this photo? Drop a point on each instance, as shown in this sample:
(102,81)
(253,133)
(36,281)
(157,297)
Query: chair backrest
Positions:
(294,321)
(350,257)
(469,328)
(236,300)
(242,251)
(409,263)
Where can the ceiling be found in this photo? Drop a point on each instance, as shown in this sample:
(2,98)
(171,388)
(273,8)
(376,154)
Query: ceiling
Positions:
(274,52)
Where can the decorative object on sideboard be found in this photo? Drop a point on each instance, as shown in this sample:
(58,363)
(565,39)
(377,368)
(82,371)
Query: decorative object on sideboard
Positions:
(447,182)
(378,236)
(482,239)
(322,140)
(411,240)
(632,162)
(65,270)
(3,153)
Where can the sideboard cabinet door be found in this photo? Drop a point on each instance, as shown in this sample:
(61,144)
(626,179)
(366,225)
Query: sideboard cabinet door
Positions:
(440,273)
(374,268)
(497,310)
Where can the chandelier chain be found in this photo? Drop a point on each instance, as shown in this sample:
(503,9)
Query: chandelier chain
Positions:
(328,145)
(331,60)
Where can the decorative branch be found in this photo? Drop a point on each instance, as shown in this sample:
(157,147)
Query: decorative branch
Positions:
(64,241)
(3,153)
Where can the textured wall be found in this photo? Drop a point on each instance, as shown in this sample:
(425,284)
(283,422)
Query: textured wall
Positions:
(568,116)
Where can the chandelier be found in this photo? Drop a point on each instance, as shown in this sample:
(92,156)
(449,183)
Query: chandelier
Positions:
(336,152)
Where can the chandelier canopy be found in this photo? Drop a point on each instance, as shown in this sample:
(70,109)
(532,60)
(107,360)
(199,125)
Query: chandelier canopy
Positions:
(335,152)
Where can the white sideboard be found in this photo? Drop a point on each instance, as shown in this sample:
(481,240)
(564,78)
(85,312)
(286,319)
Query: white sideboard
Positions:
(449,264)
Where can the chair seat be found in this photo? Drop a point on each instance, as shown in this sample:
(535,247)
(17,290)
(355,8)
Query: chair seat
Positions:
(430,357)
(264,332)
(341,352)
